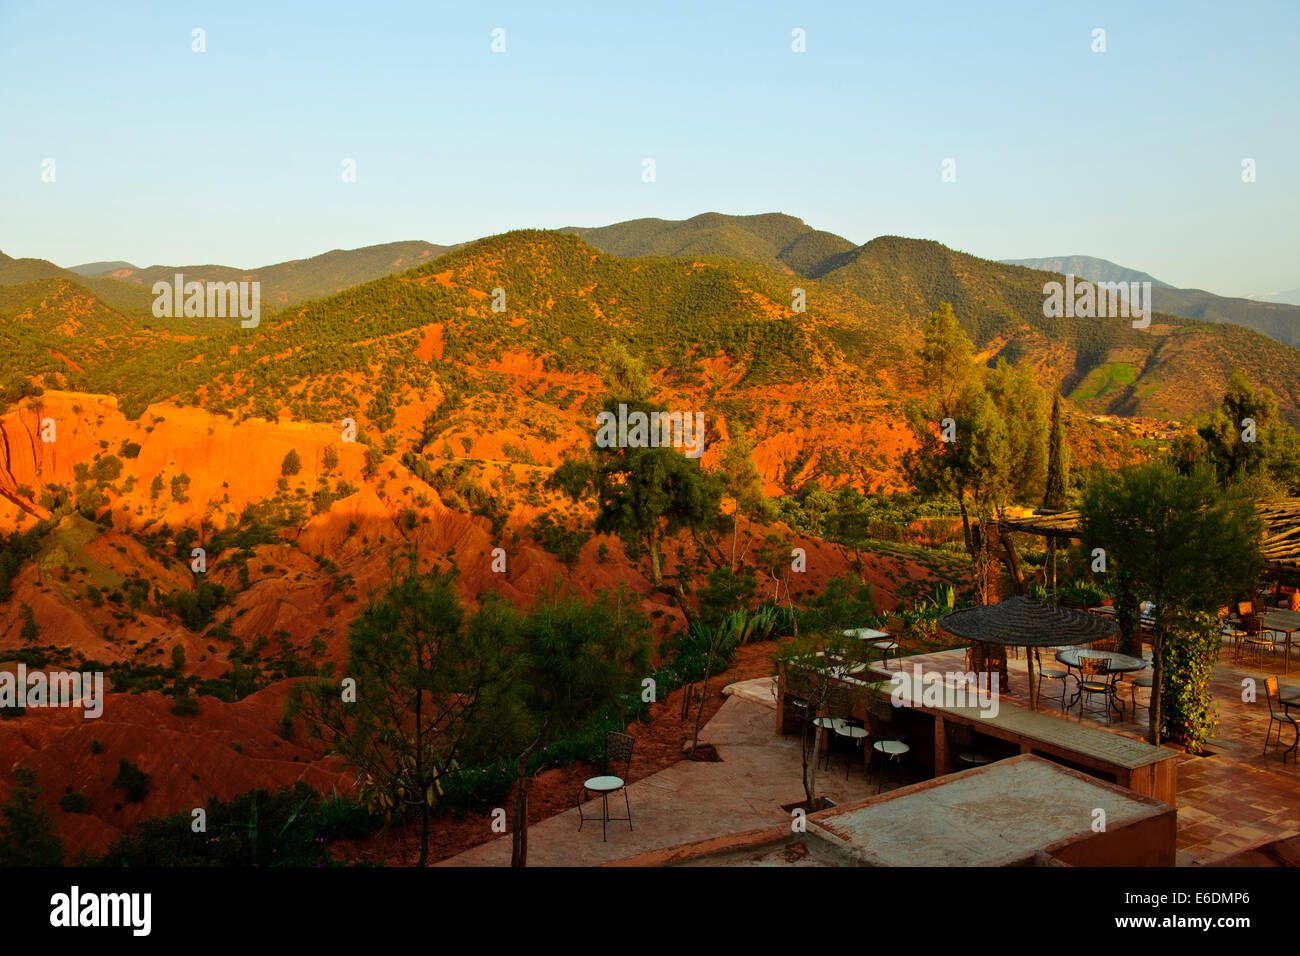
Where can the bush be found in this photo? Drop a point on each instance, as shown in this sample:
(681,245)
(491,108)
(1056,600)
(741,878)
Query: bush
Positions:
(292,826)
(185,706)
(1189,652)
(131,779)
(292,464)
(73,802)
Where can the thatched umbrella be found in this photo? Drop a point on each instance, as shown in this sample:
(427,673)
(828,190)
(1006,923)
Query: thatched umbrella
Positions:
(1027,622)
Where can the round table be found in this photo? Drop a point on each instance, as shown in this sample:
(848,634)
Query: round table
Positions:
(1119,663)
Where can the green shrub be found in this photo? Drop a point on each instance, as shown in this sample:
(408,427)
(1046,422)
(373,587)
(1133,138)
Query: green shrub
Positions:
(292,826)
(73,802)
(131,779)
(1189,715)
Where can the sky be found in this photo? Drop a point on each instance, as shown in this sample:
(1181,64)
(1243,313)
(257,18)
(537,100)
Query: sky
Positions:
(235,155)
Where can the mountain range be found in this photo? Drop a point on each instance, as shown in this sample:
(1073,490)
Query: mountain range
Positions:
(727,294)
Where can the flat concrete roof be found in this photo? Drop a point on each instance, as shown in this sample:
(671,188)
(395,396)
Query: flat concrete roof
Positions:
(998,815)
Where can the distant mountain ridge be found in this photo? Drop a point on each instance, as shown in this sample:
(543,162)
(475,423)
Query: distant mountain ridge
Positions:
(128,289)
(1088,267)
(97,270)
(1276,319)
(1289,297)
(792,246)
(288,283)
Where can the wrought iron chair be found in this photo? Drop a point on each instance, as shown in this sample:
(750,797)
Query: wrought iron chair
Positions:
(618,756)
(1092,683)
(1051,673)
(1255,636)
(1231,631)
(886,741)
(1277,714)
(887,646)
(1142,680)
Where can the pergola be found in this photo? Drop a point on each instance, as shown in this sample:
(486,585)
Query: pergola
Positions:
(1280,545)
(1027,622)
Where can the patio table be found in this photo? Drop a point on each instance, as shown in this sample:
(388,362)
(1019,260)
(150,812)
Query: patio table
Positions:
(1284,622)
(1119,663)
(1287,703)
(866,633)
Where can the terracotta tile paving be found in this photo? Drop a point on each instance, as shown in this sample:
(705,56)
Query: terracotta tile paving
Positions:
(1230,802)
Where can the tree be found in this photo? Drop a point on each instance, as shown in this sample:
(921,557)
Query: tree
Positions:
(742,491)
(972,468)
(27,837)
(644,495)
(1058,457)
(1244,441)
(980,439)
(624,375)
(419,677)
(574,661)
(1020,403)
(814,667)
(31,631)
(1179,540)
(292,464)
(1058,464)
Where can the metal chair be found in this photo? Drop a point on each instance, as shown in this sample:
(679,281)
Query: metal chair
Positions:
(886,647)
(1091,670)
(829,726)
(1231,631)
(1051,673)
(618,755)
(962,737)
(1256,637)
(885,740)
(1277,714)
(1142,680)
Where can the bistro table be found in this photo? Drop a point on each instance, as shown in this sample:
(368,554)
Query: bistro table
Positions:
(1283,622)
(1287,703)
(1117,664)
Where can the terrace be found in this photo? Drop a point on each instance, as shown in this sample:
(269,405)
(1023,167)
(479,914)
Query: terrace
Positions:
(737,811)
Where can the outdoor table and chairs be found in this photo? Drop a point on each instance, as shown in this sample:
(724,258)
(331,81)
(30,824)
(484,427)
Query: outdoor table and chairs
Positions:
(1279,621)
(882,641)
(1112,665)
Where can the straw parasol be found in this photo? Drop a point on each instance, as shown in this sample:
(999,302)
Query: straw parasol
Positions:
(1027,622)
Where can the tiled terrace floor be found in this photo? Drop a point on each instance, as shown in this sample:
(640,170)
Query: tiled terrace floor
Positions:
(1232,801)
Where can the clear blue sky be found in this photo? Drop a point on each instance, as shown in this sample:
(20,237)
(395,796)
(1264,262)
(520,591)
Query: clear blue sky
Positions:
(234,155)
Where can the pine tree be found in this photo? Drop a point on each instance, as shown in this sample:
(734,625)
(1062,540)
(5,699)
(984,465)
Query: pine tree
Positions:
(31,631)
(292,464)
(1057,461)
(28,838)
